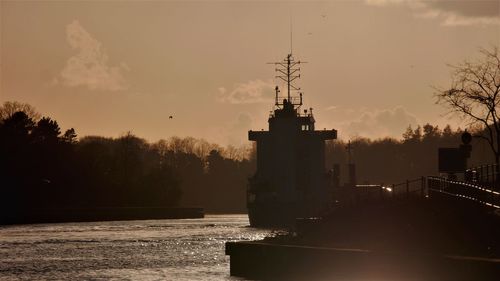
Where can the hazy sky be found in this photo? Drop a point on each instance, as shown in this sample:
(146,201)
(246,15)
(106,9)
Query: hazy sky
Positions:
(109,67)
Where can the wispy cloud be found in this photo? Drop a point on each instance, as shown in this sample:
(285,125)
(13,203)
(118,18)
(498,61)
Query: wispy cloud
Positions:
(375,123)
(384,2)
(90,66)
(451,13)
(331,107)
(254,91)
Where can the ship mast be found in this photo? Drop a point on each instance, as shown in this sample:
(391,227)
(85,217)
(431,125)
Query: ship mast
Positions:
(288,70)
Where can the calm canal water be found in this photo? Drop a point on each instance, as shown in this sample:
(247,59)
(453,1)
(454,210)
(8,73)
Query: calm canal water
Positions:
(123,250)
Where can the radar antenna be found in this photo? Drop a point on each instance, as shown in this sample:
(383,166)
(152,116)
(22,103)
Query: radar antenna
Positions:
(288,70)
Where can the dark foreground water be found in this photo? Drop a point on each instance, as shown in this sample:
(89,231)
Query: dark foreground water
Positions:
(123,250)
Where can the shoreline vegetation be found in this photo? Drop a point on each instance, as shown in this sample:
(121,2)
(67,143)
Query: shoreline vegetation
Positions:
(43,167)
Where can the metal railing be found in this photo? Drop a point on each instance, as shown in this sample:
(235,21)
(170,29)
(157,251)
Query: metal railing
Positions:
(473,192)
(415,187)
(423,187)
(367,193)
(484,175)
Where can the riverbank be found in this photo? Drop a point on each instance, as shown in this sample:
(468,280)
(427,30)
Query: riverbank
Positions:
(98,214)
(417,239)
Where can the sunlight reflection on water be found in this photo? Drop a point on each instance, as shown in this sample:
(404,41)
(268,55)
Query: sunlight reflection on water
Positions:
(131,250)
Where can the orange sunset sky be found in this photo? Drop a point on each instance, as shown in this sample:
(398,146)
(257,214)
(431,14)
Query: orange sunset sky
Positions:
(108,67)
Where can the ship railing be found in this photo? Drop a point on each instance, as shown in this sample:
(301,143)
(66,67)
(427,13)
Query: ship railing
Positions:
(304,114)
(293,100)
(298,114)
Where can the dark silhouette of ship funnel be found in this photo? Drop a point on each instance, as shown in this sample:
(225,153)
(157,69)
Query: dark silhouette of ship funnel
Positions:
(291,181)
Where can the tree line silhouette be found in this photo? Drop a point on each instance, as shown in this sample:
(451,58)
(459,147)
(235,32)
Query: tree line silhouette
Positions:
(389,160)
(40,167)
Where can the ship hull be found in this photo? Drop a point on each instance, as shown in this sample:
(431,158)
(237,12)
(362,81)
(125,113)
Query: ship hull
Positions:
(272,215)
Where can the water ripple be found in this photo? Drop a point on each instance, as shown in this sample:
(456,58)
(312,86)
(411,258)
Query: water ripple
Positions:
(123,250)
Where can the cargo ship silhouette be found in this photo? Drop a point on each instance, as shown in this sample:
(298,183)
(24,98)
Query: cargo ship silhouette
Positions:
(291,180)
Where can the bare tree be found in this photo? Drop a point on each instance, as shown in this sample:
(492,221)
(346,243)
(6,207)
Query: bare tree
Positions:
(475,94)
(203,148)
(10,107)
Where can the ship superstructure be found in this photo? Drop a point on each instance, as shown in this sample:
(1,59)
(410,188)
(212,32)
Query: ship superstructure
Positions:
(291,180)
